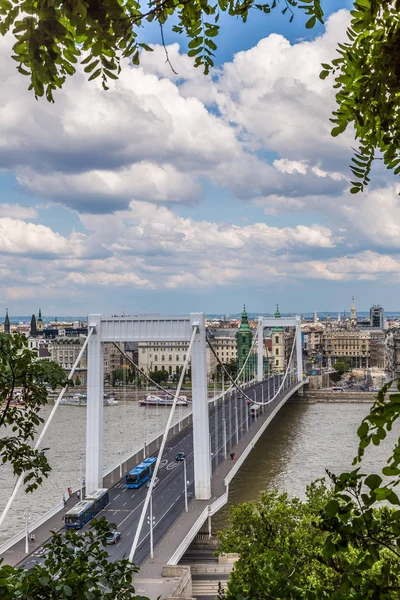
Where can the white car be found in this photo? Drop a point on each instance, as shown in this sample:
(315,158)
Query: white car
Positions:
(156,482)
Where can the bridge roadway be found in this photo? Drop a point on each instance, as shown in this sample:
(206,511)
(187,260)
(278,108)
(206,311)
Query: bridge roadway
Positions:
(229,421)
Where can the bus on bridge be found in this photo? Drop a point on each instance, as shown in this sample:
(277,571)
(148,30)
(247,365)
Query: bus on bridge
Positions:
(140,474)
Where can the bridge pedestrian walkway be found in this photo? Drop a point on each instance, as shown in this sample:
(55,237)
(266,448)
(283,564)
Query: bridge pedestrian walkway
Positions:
(159,576)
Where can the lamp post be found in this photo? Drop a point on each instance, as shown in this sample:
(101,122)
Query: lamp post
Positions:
(150,520)
(26,515)
(185,484)
(80,479)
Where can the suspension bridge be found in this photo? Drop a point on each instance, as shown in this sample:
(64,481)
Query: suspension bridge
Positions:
(159,522)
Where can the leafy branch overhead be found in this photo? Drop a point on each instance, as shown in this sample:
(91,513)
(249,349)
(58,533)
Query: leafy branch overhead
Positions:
(367,79)
(53,36)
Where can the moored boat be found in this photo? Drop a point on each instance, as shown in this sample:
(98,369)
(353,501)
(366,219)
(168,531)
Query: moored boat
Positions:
(162,400)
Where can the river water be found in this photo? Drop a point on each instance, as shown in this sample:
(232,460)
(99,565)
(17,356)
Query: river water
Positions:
(298,445)
(301,442)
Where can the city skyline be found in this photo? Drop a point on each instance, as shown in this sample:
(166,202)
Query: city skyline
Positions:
(209,188)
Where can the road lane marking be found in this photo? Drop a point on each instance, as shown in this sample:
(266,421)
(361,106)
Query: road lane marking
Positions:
(117,496)
(124,504)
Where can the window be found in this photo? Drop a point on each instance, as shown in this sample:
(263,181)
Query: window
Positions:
(277,339)
(163,358)
(156,357)
(170,357)
(170,370)
(155,369)
(277,363)
(177,357)
(276,351)
(184,357)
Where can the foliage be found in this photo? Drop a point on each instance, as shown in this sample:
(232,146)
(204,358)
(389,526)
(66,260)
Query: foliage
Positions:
(364,536)
(341,366)
(159,376)
(20,372)
(52,37)
(279,547)
(77,567)
(367,76)
(78,381)
(124,375)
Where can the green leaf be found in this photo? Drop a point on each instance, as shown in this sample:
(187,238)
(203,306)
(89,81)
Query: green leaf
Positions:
(311,22)
(95,75)
(332,508)
(373,481)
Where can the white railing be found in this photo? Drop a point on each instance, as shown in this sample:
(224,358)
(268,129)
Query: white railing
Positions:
(184,545)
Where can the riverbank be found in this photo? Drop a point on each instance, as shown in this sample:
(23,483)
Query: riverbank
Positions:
(314,396)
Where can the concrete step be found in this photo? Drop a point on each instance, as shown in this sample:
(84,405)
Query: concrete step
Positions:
(209,568)
(207,588)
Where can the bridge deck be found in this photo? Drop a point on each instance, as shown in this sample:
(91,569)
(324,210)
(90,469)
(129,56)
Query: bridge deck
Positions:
(150,581)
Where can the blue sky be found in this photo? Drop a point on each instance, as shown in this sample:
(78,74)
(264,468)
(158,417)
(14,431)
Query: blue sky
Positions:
(182,193)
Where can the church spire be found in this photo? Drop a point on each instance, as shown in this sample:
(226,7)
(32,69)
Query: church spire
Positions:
(6,323)
(33,326)
(244,324)
(353,313)
(315,317)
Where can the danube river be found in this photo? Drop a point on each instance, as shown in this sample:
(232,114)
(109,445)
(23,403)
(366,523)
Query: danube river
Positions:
(300,443)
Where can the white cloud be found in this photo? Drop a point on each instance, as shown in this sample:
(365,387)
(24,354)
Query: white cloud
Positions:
(151,137)
(16,211)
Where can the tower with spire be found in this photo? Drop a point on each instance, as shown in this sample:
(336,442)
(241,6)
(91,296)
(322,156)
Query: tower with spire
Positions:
(39,322)
(353,314)
(6,323)
(33,331)
(278,345)
(244,339)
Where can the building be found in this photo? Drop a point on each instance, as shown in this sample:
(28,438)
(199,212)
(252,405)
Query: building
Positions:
(169,356)
(350,345)
(223,342)
(377,316)
(33,329)
(278,346)
(6,323)
(65,350)
(244,341)
(39,322)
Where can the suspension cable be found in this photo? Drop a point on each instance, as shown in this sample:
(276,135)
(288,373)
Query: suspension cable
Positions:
(283,380)
(161,450)
(234,384)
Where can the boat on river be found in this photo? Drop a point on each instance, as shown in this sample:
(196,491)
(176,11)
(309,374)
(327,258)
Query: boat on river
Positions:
(162,400)
(81,400)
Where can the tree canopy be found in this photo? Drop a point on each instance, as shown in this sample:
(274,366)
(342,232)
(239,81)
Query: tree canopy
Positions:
(341,543)
(23,392)
(76,566)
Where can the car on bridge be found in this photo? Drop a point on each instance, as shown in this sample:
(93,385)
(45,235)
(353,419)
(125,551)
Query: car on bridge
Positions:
(113,537)
(180,457)
(156,482)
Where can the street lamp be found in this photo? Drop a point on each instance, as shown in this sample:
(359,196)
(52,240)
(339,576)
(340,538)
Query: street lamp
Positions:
(185,484)
(26,515)
(150,520)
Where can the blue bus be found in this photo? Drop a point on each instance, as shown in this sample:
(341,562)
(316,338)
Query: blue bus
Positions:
(86,509)
(140,474)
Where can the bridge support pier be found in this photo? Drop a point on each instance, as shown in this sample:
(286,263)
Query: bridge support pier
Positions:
(201,428)
(95,409)
(299,351)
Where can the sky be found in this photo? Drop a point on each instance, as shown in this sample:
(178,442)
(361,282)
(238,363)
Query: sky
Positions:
(181,193)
